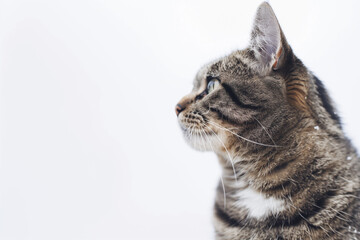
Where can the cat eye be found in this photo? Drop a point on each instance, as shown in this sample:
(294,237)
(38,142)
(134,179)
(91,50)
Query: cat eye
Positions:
(212,85)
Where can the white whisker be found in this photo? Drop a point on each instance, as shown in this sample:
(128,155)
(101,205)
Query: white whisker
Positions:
(230,158)
(224,192)
(265,130)
(248,140)
(221,177)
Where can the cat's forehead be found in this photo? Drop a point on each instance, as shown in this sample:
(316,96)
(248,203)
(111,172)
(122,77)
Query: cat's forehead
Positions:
(201,75)
(237,64)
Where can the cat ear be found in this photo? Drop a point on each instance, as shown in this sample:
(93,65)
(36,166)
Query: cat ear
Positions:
(267,40)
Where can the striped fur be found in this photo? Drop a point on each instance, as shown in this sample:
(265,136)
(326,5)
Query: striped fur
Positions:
(289,172)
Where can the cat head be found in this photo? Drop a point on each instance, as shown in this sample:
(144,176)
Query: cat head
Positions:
(253,97)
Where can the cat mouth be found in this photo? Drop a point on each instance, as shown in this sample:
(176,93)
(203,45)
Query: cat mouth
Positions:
(195,125)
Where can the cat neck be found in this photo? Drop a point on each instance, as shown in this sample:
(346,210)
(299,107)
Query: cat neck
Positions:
(272,183)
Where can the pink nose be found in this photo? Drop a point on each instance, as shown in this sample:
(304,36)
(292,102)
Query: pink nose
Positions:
(178,109)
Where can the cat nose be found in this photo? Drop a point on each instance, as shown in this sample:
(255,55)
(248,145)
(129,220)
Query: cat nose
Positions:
(178,109)
(183,103)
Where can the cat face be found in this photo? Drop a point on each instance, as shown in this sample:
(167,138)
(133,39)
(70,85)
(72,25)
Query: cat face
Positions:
(249,97)
(230,101)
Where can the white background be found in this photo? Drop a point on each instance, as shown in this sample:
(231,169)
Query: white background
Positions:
(90,147)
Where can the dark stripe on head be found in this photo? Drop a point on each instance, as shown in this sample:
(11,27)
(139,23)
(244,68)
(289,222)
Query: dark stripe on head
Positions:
(236,100)
(325,99)
(222,116)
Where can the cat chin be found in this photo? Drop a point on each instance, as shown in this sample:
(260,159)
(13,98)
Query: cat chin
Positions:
(201,143)
(198,138)
(197,144)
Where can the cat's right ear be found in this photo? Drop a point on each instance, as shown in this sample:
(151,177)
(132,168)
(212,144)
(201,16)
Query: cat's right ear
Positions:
(267,40)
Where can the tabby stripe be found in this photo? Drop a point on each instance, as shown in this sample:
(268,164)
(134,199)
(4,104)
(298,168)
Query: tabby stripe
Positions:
(222,115)
(295,84)
(326,102)
(235,99)
(295,79)
(225,217)
(296,89)
(282,166)
(283,188)
(285,134)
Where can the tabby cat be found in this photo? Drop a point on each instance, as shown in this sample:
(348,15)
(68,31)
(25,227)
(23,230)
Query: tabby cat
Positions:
(288,171)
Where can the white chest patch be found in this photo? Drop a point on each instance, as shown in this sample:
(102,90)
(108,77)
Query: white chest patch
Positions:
(258,205)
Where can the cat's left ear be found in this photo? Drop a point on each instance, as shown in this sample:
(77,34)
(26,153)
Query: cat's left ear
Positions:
(268,41)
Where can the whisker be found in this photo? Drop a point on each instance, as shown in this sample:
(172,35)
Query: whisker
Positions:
(230,158)
(202,139)
(223,187)
(221,177)
(248,140)
(265,130)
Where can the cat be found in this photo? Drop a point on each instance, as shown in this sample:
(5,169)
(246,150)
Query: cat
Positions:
(288,170)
